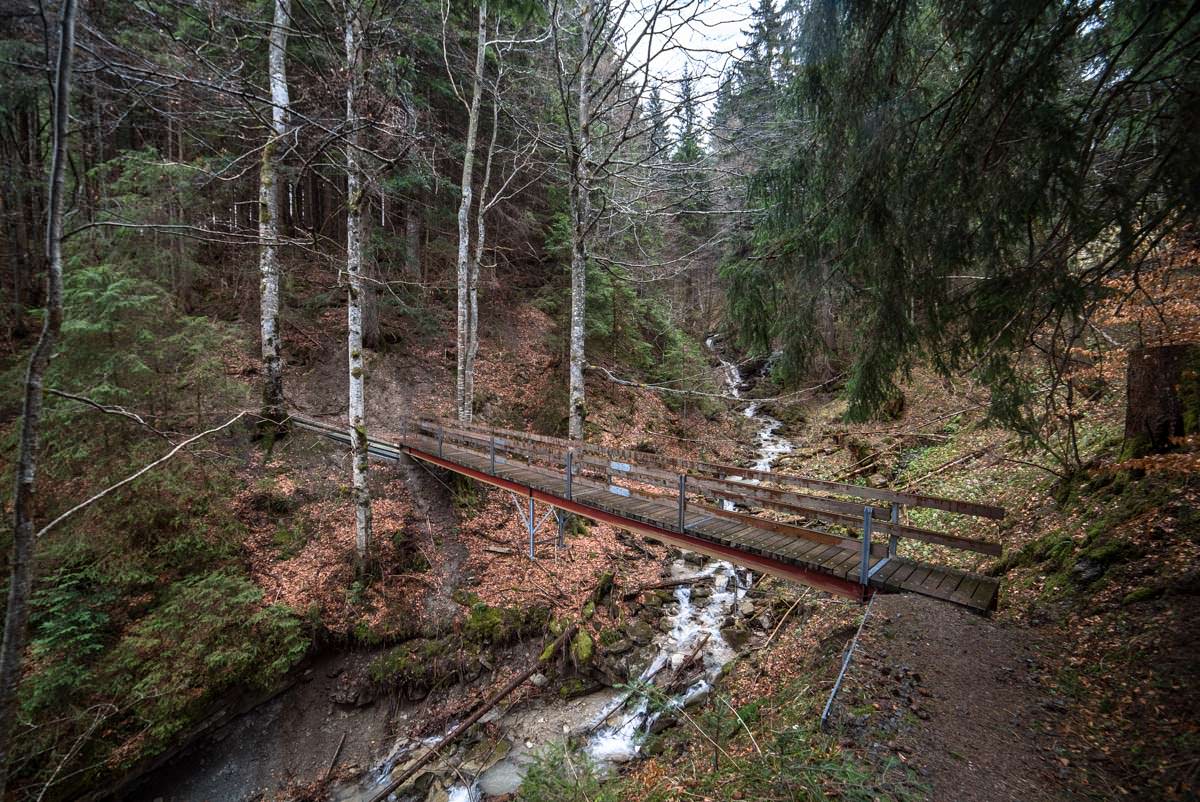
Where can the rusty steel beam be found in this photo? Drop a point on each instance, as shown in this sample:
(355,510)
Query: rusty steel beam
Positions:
(767,565)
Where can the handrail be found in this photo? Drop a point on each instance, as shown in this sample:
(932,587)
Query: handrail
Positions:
(877,494)
(757,494)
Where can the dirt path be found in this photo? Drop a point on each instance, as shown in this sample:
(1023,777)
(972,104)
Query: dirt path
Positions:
(954,696)
(432,501)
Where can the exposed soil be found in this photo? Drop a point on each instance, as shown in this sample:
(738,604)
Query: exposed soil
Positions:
(431,500)
(288,741)
(957,697)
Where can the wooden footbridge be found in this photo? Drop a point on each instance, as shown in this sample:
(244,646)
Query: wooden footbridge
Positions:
(708,508)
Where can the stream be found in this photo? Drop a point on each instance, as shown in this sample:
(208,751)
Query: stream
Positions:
(611,724)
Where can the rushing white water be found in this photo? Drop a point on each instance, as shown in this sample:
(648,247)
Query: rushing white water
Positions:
(620,740)
(769,445)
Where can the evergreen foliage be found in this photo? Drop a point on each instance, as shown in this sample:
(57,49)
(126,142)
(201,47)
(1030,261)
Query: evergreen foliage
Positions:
(970,176)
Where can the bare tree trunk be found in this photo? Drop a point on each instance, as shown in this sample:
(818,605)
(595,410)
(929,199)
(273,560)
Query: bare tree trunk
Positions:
(273,409)
(21,579)
(412,239)
(580,213)
(463,396)
(1162,397)
(480,243)
(354,295)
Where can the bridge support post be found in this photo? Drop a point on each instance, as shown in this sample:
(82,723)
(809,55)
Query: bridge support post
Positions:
(492,453)
(561,518)
(570,471)
(682,501)
(532,530)
(894,540)
(864,568)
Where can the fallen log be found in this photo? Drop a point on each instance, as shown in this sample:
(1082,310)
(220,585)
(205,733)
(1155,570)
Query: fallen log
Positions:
(479,713)
(673,583)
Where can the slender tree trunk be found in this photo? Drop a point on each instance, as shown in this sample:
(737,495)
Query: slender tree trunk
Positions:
(480,243)
(21,579)
(581,213)
(12,217)
(273,409)
(354,295)
(463,397)
(412,239)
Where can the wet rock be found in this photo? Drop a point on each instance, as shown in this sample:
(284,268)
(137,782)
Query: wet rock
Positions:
(746,608)
(661,724)
(578,686)
(699,698)
(639,632)
(539,680)
(620,646)
(485,754)
(701,593)
(1087,571)
(736,636)
(421,783)
(694,558)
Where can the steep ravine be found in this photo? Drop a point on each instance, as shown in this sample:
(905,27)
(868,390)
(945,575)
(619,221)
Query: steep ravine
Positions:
(611,725)
(294,737)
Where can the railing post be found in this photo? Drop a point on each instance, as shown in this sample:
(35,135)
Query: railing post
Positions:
(682,501)
(492,452)
(894,539)
(441,438)
(864,568)
(570,470)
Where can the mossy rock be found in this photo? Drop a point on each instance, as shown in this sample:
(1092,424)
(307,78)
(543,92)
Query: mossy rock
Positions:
(1142,594)
(582,648)
(577,686)
(497,625)
(609,636)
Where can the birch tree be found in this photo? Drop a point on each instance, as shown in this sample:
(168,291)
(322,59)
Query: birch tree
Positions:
(467,272)
(604,53)
(354,289)
(273,411)
(20,583)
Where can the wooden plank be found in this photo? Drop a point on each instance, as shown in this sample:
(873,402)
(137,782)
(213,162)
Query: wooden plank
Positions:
(962,595)
(824,553)
(951,582)
(983,598)
(884,573)
(918,576)
(902,573)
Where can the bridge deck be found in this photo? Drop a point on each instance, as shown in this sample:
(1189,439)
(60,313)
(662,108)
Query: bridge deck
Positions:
(837,561)
(829,562)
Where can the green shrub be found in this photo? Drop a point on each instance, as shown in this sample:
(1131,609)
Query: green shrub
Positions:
(562,774)
(210,634)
